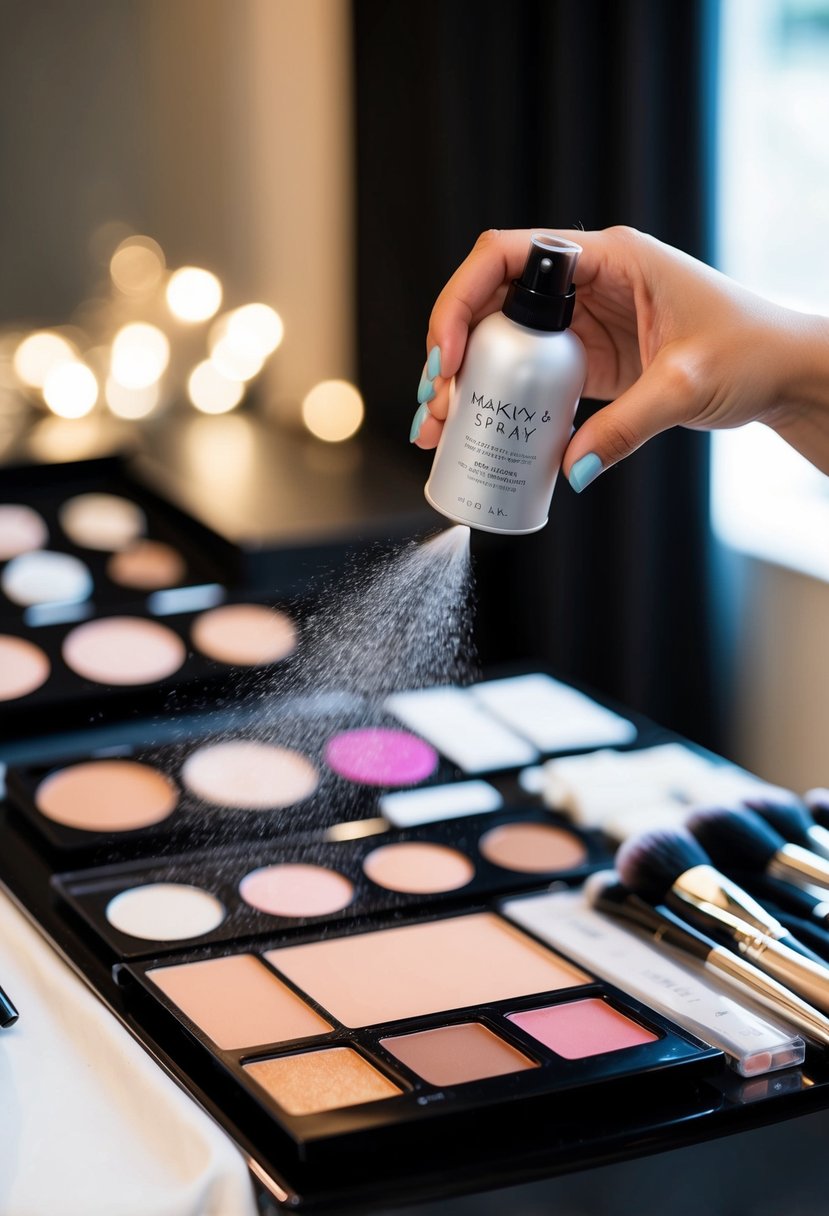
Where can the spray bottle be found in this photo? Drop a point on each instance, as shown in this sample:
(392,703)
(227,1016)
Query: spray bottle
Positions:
(512,404)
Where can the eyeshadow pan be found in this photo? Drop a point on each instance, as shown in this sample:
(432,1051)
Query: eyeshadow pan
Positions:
(107,796)
(296,890)
(532,848)
(23,667)
(453,1055)
(237,1002)
(44,577)
(21,529)
(582,1028)
(165,912)
(418,867)
(249,775)
(316,1081)
(381,756)
(246,635)
(123,650)
(147,565)
(410,970)
(101,521)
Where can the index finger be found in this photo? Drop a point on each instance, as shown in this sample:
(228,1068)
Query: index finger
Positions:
(496,258)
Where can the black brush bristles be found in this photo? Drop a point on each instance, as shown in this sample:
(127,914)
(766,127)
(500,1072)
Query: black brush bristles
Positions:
(735,839)
(650,864)
(789,819)
(818,803)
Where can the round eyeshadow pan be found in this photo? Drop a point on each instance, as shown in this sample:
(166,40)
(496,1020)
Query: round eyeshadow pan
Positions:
(23,667)
(416,867)
(147,565)
(532,848)
(378,755)
(165,912)
(249,775)
(102,521)
(106,796)
(296,889)
(21,529)
(123,650)
(44,577)
(247,635)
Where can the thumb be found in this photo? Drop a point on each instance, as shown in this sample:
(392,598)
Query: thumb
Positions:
(662,397)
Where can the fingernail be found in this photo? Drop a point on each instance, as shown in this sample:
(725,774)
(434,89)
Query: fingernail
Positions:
(425,390)
(433,363)
(584,471)
(421,414)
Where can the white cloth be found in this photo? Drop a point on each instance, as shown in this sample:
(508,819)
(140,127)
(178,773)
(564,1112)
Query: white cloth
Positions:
(91,1125)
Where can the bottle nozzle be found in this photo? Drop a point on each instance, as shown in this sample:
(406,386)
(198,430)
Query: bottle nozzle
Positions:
(544,296)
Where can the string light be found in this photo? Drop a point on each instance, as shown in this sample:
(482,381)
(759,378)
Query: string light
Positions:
(211,392)
(193,294)
(70,390)
(333,410)
(137,265)
(38,354)
(131,402)
(140,354)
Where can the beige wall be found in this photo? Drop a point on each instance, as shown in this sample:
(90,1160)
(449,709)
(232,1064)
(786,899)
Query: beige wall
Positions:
(780,673)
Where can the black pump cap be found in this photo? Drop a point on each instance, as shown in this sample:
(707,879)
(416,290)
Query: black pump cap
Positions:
(544,296)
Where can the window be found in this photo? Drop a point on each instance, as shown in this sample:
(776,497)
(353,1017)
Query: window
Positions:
(772,218)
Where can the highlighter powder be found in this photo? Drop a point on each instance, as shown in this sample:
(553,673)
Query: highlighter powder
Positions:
(147,565)
(417,867)
(381,756)
(244,634)
(106,796)
(21,529)
(237,1002)
(165,912)
(296,890)
(23,667)
(321,1080)
(102,521)
(44,577)
(452,1055)
(582,1028)
(249,775)
(123,650)
(411,970)
(532,848)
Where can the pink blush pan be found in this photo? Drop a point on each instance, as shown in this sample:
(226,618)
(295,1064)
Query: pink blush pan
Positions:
(582,1028)
(380,756)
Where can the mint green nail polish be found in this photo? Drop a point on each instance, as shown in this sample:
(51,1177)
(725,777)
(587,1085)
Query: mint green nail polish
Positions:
(584,471)
(433,363)
(421,414)
(425,390)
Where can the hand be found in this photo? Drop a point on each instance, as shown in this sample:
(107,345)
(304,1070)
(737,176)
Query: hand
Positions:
(669,341)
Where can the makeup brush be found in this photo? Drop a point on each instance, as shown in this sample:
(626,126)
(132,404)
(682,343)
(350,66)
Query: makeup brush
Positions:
(792,900)
(741,839)
(671,867)
(608,895)
(8,1013)
(794,823)
(817,800)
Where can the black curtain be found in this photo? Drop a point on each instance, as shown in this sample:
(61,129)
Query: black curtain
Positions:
(487,113)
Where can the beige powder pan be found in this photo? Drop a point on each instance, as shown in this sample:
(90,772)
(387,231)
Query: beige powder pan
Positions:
(107,796)
(102,521)
(147,565)
(418,867)
(247,635)
(532,848)
(123,650)
(249,775)
(23,667)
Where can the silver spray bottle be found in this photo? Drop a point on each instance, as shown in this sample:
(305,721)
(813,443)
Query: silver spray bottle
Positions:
(512,404)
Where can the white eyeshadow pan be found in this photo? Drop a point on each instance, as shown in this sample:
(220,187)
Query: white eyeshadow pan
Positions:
(45,577)
(102,521)
(165,912)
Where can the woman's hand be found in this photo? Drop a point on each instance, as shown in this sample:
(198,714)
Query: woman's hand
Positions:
(669,341)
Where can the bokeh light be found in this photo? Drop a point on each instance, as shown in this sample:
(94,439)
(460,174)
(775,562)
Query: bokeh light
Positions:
(131,402)
(193,294)
(137,265)
(140,354)
(39,354)
(211,392)
(333,410)
(241,340)
(70,390)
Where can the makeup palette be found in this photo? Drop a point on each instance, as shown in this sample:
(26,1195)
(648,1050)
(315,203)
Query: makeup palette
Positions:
(258,889)
(111,598)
